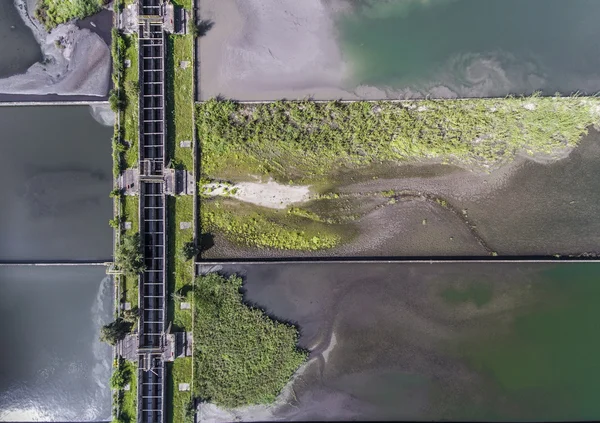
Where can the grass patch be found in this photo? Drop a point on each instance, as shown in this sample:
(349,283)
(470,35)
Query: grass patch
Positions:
(183,3)
(180,371)
(180,100)
(129,404)
(132,92)
(130,206)
(307,141)
(54,12)
(264,228)
(181,209)
(241,356)
(131,213)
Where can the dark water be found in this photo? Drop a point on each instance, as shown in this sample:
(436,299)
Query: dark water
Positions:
(52,366)
(474,47)
(452,341)
(55,169)
(17,44)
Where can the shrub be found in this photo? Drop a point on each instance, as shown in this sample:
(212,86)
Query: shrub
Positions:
(241,356)
(189,250)
(115,331)
(129,257)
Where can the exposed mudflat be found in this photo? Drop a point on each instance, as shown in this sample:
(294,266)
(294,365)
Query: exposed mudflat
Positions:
(524,208)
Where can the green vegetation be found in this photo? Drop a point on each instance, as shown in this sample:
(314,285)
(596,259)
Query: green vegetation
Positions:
(130,213)
(130,205)
(187,4)
(124,101)
(189,251)
(264,228)
(307,141)
(241,356)
(131,88)
(180,371)
(129,257)
(477,293)
(180,209)
(116,99)
(180,100)
(115,331)
(54,12)
(125,402)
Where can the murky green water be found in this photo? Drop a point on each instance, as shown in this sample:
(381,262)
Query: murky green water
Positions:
(474,47)
(507,342)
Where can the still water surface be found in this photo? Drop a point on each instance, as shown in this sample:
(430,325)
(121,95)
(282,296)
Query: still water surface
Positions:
(443,341)
(55,169)
(52,366)
(474,47)
(17,44)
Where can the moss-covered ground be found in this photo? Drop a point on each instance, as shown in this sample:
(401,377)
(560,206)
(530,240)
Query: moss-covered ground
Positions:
(260,227)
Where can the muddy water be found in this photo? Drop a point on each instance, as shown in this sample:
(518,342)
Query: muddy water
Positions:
(456,341)
(19,48)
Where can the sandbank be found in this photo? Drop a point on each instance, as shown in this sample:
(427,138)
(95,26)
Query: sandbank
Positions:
(81,67)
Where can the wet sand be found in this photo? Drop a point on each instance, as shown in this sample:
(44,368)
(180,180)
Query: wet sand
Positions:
(267,49)
(81,67)
(361,49)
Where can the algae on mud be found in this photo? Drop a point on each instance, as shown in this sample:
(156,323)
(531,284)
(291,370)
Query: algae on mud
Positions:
(264,228)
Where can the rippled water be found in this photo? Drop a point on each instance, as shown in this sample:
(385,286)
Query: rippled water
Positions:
(52,366)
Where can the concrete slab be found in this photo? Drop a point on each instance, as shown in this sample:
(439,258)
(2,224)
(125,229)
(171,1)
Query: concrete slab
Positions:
(127,306)
(185,225)
(127,387)
(127,225)
(127,63)
(128,181)
(184,387)
(186,306)
(185,144)
(184,64)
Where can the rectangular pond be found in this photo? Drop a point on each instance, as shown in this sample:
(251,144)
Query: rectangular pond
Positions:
(375,49)
(52,365)
(467,342)
(55,169)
